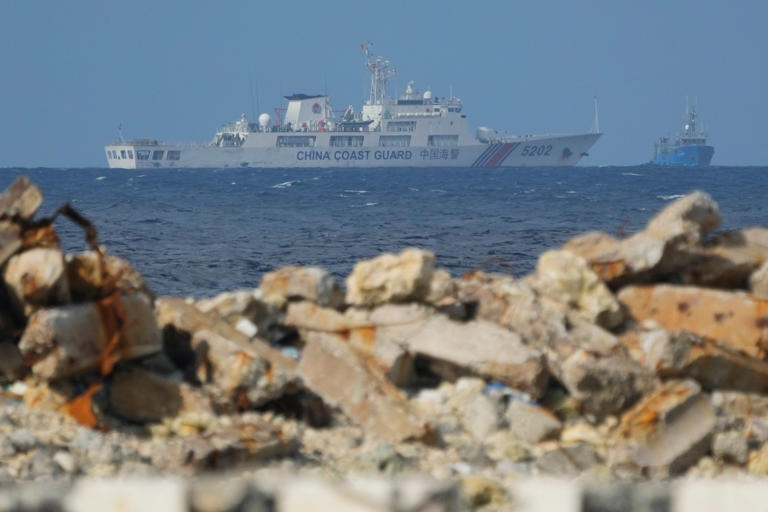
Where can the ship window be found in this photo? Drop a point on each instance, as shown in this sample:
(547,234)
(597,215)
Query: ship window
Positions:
(157,154)
(142,154)
(443,140)
(114,154)
(294,141)
(401,126)
(395,140)
(346,141)
(122,153)
(173,155)
(130,154)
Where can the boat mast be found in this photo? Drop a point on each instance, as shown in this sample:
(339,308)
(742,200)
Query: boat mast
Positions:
(381,72)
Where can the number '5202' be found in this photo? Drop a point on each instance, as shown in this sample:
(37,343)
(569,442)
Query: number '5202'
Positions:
(542,150)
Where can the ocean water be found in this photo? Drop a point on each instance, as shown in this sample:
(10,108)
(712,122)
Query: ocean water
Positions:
(199,232)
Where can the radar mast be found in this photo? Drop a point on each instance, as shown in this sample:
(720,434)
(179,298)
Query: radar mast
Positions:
(381,72)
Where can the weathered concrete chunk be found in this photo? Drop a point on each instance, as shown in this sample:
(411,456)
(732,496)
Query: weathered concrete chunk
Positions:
(668,430)
(333,370)
(391,278)
(566,278)
(734,319)
(530,423)
(145,397)
(21,198)
(73,339)
(86,281)
(688,218)
(37,278)
(682,354)
(310,283)
(481,416)
(224,355)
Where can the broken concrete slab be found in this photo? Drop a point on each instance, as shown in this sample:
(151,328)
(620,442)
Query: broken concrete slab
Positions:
(667,431)
(229,358)
(37,278)
(454,349)
(21,198)
(391,278)
(309,283)
(530,423)
(332,369)
(734,319)
(74,339)
(566,278)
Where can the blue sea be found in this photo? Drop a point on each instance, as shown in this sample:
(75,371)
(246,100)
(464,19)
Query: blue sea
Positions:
(200,232)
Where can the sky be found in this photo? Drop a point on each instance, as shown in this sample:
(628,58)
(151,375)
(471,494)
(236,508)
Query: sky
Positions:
(175,70)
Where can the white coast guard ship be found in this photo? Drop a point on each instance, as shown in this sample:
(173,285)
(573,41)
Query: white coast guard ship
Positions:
(414,130)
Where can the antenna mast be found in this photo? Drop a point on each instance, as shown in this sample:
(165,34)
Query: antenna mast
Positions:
(381,72)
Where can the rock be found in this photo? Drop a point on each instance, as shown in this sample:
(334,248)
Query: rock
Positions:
(87,283)
(565,277)
(73,339)
(143,397)
(244,441)
(391,278)
(241,375)
(589,361)
(480,491)
(37,278)
(481,417)
(530,423)
(667,431)
(310,283)
(231,358)
(331,369)
(246,311)
(442,288)
(682,354)
(567,460)
(21,199)
(65,461)
(12,366)
(453,349)
(688,218)
(758,282)
(735,320)
(730,447)
(736,403)
(384,458)
(22,441)
(10,240)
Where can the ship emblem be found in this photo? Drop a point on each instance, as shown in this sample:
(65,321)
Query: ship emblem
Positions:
(316,108)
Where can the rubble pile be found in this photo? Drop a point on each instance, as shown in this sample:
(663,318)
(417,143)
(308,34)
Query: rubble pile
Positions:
(619,359)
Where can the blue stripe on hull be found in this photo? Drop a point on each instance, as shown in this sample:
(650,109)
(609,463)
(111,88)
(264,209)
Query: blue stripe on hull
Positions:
(686,155)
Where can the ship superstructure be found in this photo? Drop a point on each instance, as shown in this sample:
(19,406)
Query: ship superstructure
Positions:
(413,130)
(688,148)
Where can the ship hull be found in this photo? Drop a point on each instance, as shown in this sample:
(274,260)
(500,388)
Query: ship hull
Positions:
(681,156)
(531,151)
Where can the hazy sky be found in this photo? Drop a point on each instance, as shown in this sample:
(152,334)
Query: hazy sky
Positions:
(71,72)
